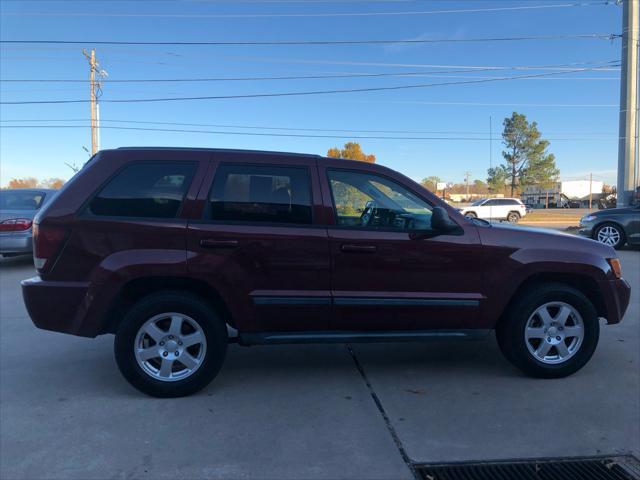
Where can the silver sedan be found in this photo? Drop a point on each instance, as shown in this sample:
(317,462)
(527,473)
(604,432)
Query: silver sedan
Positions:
(17,209)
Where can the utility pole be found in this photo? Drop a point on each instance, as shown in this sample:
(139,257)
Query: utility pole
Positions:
(590,189)
(466,180)
(96,91)
(628,103)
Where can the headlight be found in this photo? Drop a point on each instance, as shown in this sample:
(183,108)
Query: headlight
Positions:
(587,218)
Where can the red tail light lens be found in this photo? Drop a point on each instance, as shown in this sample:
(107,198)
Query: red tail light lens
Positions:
(15,225)
(47,242)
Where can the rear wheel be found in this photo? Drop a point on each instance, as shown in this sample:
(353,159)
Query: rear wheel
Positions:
(550,332)
(170,344)
(610,234)
(513,217)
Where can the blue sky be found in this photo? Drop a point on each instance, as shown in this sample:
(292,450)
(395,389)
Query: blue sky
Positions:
(583,138)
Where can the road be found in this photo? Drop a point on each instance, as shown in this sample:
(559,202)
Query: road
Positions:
(304,411)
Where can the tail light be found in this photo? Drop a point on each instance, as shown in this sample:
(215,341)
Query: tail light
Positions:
(15,225)
(47,242)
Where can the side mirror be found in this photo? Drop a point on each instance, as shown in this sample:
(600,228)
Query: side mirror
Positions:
(441,222)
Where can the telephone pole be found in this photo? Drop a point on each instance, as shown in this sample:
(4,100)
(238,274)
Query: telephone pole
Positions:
(466,180)
(96,91)
(627,155)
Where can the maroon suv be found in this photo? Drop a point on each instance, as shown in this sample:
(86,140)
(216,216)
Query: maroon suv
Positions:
(167,248)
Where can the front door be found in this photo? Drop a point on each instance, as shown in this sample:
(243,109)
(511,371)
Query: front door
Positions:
(390,270)
(261,244)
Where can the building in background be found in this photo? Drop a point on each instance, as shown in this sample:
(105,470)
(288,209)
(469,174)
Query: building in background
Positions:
(568,194)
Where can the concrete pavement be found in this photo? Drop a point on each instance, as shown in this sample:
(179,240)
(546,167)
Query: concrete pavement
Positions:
(304,411)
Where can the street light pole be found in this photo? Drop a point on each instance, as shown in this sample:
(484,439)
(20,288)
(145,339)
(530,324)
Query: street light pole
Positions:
(628,103)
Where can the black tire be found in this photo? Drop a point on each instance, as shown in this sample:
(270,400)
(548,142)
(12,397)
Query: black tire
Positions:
(214,329)
(471,215)
(513,217)
(511,330)
(622,237)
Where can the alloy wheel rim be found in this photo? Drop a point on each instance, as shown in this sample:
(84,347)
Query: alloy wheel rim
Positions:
(170,347)
(554,333)
(609,235)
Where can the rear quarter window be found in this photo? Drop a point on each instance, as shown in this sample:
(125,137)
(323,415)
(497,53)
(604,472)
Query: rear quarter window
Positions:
(153,190)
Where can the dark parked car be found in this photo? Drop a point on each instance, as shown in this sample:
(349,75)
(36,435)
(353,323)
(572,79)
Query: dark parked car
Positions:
(167,247)
(17,209)
(614,227)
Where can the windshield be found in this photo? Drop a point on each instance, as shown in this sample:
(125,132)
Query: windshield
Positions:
(20,200)
(478,202)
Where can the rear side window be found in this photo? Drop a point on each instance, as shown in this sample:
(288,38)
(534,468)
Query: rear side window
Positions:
(154,190)
(20,200)
(260,193)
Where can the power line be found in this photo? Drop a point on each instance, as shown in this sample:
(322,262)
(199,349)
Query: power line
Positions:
(494,104)
(275,43)
(611,66)
(304,2)
(262,127)
(290,94)
(295,135)
(297,15)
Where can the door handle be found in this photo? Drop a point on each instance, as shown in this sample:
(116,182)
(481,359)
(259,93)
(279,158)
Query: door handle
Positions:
(212,243)
(358,248)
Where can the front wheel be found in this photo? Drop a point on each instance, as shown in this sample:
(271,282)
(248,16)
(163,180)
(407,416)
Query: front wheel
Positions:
(471,215)
(610,234)
(550,332)
(170,344)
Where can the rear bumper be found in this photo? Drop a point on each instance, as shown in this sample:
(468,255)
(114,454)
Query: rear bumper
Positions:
(617,300)
(16,243)
(56,306)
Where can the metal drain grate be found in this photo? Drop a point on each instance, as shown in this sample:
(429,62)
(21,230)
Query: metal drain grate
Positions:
(592,468)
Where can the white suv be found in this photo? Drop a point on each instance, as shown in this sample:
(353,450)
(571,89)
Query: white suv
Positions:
(510,209)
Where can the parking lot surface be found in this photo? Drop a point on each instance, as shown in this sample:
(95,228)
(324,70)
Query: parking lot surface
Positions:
(305,411)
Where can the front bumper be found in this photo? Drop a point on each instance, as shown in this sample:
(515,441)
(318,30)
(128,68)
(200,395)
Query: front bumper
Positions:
(586,228)
(617,299)
(16,243)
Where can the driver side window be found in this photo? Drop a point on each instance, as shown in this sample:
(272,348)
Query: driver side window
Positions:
(363,200)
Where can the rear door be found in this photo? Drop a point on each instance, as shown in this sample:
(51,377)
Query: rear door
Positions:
(491,209)
(391,271)
(260,241)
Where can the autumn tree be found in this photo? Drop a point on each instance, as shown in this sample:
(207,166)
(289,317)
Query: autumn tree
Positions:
(54,183)
(526,159)
(351,151)
(430,183)
(27,182)
(479,187)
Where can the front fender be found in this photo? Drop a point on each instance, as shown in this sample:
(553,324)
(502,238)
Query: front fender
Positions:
(503,278)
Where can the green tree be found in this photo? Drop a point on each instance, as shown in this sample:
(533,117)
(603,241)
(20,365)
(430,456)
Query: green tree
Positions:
(430,182)
(526,158)
(351,151)
(497,178)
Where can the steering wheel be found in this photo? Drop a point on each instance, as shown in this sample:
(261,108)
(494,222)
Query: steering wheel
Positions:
(367,213)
